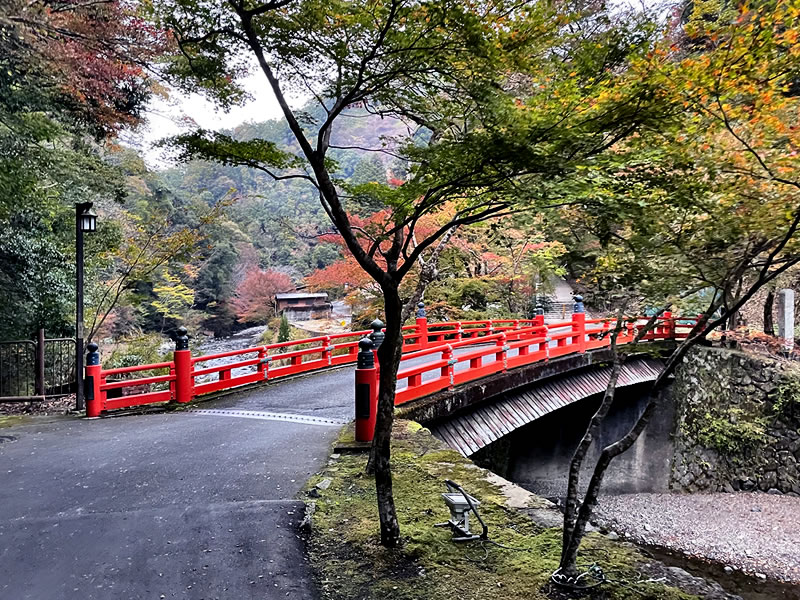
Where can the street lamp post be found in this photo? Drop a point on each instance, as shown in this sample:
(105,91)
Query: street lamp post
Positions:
(85,222)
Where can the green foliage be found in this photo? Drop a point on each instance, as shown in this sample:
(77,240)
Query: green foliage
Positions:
(786,398)
(284,330)
(255,153)
(36,286)
(137,349)
(732,431)
(699,201)
(173,298)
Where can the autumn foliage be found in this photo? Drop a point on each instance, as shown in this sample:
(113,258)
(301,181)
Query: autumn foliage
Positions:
(93,55)
(255,295)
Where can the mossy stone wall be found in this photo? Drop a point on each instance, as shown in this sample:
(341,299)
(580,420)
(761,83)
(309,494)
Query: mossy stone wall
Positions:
(738,423)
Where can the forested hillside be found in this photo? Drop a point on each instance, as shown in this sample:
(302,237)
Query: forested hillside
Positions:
(192,244)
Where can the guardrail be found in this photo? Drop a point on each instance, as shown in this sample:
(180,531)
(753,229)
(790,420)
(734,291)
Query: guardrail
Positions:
(462,360)
(458,351)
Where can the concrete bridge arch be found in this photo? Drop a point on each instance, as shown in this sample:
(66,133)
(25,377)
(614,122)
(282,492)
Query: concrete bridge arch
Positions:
(525,424)
(477,427)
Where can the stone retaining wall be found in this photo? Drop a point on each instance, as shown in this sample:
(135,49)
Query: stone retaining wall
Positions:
(738,423)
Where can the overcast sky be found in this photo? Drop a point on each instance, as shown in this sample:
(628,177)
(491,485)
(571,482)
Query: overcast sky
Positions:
(183,112)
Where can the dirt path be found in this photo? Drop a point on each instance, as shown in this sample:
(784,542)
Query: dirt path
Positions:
(756,533)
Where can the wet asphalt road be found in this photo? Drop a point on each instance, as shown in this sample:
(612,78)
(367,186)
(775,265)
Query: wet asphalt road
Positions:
(170,505)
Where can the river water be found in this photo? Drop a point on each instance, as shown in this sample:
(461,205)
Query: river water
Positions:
(246,338)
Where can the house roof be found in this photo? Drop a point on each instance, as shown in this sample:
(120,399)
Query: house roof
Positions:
(322,295)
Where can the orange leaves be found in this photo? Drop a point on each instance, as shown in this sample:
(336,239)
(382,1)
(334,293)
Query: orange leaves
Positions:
(95,51)
(255,295)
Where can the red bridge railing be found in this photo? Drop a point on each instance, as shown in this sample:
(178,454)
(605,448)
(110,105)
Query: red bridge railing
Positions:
(441,356)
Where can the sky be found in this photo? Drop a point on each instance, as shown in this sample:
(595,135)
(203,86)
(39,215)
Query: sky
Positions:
(182,112)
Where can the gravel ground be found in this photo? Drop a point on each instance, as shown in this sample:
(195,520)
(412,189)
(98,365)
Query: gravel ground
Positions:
(753,532)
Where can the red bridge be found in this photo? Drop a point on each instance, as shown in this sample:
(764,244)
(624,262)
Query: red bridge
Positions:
(436,357)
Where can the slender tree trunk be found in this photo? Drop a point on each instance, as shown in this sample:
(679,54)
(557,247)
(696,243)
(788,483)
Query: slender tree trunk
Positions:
(389,355)
(572,529)
(578,522)
(569,555)
(769,322)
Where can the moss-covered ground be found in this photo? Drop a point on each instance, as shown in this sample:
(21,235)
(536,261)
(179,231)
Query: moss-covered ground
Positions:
(12,420)
(350,563)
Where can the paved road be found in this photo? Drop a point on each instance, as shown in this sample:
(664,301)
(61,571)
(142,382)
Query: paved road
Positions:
(193,505)
(174,505)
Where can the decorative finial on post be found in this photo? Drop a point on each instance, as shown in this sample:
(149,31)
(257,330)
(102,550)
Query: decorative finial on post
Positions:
(539,309)
(421,310)
(366,356)
(92,355)
(578,307)
(377,334)
(182,339)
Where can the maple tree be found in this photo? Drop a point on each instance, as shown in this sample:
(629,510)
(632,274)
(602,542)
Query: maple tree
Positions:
(507,264)
(255,295)
(703,210)
(90,56)
(72,74)
(499,100)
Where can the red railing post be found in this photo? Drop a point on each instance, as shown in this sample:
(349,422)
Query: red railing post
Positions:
(263,362)
(606,337)
(422,325)
(538,320)
(366,392)
(502,354)
(94,379)
(669,325)
(448,370)
(517,326)
(579,324)
(326,350)
(459,332)
(182,358)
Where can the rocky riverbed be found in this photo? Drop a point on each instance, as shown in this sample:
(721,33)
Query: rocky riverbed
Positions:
(748,532)
(246,338)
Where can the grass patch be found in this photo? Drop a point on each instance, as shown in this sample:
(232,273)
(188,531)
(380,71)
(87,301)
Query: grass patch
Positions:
(350,563)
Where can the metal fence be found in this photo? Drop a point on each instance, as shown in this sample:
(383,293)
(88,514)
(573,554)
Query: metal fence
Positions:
(59,366)
(34,370)
(17,369)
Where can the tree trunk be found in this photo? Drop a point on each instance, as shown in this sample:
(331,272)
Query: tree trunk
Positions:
(572,528)
(389,355)
(582,513)
(769,322)
(569,554)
